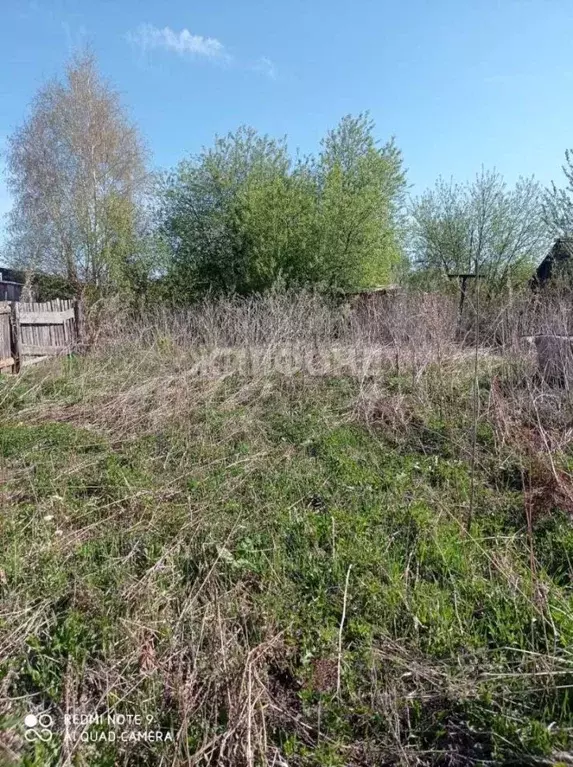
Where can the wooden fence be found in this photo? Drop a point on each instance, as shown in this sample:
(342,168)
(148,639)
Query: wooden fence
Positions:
(32,332)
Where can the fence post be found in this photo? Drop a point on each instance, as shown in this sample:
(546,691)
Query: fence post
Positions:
(15,336)
(79,318)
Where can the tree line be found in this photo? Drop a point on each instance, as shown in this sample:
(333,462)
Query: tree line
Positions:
(244,215)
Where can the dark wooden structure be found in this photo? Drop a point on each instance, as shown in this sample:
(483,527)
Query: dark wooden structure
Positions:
(11,284)
(369,296)
(561,253)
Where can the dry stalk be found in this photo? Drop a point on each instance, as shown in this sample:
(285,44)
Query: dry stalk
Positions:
(340,630)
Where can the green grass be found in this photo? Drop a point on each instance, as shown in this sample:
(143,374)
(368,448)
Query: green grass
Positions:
(192,568)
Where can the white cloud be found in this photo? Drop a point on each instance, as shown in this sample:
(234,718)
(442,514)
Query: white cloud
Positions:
(183,43)
(75,36)
(266,67)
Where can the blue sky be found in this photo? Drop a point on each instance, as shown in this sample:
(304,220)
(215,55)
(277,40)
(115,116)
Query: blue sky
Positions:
(459,83)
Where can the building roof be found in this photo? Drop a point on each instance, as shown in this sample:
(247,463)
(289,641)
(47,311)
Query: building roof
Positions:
(11,275)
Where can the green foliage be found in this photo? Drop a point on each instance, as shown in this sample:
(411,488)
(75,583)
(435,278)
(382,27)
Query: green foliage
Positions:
(243,215)
(481,226)
(361,190)
(49,287)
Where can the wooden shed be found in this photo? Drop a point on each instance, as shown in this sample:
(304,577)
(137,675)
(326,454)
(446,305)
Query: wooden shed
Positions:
(561,253)
(11,284)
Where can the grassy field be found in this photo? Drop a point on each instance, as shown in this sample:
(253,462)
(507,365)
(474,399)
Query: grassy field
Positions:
(285,569)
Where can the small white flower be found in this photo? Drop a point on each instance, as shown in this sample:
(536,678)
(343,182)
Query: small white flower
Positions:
(48,517)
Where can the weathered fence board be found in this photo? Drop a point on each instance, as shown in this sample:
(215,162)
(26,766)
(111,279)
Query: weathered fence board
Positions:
(45,318)
(16,336)
(31,332)
(29,350)
(6,359)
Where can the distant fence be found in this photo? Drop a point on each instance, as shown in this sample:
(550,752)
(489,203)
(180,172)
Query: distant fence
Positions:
(32,332)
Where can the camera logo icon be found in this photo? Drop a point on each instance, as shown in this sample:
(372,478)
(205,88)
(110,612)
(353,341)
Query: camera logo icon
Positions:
(38,728)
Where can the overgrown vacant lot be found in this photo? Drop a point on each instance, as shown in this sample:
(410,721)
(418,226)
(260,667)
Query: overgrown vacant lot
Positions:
(286,569)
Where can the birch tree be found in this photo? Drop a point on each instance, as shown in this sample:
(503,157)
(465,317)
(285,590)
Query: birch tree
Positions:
(75,170)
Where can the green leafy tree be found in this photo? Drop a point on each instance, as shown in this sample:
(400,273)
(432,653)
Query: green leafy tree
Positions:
(278,218)
(362,189)
(483,226)
(205,215)
(242,215)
